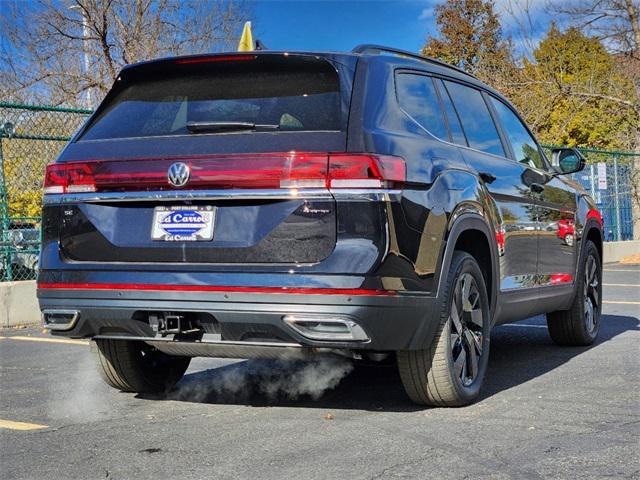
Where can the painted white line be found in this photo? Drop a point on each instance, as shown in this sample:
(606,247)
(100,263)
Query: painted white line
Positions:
(621,270)
(620,302)
(11,425)
(524,325)
(68,341)
(621,284)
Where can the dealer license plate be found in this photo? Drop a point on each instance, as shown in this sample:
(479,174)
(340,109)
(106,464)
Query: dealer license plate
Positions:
(183,224)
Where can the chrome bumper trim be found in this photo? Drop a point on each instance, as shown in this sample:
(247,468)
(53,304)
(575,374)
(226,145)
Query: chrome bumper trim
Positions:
(73,315)
(223,349)
(215,195)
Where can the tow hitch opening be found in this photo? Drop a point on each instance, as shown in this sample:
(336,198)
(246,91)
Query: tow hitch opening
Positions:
(170,323)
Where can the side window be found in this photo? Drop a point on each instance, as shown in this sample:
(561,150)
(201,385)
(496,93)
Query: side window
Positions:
(417,97)
(524,146)
(476,119)
(455,127)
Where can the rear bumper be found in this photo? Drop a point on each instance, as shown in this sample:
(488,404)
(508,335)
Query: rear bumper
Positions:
(391,322)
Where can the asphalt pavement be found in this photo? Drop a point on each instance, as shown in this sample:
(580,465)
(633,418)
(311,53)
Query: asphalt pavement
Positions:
(545,412)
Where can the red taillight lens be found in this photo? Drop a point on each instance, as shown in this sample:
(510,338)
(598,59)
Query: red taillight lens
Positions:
(365,171)
(69,178)
(242,171)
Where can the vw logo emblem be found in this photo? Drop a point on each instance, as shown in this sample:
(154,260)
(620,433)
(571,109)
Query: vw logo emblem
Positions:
(178,174)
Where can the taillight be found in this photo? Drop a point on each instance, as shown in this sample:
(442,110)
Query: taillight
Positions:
(69,178)
(365,171)
(238,171)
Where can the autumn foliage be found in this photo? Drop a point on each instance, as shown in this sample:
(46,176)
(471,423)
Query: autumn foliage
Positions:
(570,89)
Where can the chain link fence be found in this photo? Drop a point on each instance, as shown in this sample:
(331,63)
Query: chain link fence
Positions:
(612,179)
(32,136)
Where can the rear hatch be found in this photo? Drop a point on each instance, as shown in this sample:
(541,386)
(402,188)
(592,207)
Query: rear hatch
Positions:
(210,159)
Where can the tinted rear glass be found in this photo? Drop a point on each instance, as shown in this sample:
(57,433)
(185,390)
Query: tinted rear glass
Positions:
(452,116)
(477,122)
(524,145)
(417,97)
(301,96)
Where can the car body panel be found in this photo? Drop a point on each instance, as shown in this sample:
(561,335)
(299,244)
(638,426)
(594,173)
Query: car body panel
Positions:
(378,256)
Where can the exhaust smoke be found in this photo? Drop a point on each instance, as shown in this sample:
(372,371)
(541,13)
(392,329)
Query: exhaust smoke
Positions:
(267,380)
(83,395)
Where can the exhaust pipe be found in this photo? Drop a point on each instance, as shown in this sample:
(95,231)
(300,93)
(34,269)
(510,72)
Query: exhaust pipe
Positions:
(327,328)
(60,319)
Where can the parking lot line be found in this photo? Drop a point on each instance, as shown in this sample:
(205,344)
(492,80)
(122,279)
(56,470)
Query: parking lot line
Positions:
(10,425)
(621,302)
(523,325)
(620,270)
(68,341)
(621,285)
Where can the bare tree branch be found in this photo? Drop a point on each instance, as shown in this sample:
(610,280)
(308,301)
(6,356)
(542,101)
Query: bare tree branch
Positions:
(43,42)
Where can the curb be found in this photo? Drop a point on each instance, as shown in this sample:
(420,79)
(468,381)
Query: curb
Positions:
(613,252)
(19,304)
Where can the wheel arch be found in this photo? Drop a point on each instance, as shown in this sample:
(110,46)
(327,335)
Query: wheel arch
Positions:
(593,232)
(471,232)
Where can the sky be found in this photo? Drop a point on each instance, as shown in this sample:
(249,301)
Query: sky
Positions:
(341,25)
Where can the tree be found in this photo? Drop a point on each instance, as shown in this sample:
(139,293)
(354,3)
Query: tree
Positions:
(574,93)
(617,23)
(470,37)
(44,44)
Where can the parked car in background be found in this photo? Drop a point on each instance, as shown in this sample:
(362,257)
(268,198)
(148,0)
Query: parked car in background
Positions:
(19,251)
(373,204)
(566,231)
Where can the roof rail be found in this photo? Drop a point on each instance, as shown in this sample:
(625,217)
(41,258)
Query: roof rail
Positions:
(376,49)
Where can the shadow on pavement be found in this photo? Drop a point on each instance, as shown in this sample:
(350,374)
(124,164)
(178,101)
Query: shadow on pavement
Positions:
(519,353)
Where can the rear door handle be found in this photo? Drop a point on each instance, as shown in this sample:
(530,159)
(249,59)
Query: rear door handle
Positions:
(537,188)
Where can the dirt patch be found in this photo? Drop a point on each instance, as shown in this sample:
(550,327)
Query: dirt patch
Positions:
(631,259)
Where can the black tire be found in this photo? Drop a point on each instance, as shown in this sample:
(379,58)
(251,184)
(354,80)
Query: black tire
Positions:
(133,366)
(433,376)
(579,325)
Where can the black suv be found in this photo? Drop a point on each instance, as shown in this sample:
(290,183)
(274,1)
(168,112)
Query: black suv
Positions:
(369,204)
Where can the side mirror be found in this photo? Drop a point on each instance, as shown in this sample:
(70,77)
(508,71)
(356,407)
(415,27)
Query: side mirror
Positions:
(567,160)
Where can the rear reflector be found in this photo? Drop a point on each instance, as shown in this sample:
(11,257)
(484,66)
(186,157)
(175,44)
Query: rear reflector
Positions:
(239,171)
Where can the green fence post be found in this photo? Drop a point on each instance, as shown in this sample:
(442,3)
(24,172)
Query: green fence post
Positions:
(4,214)
(616,200)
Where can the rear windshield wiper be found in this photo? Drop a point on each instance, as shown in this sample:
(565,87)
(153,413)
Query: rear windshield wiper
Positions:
(198,127)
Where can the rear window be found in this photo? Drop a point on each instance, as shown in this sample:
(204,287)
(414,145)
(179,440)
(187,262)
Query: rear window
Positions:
(417,97)
(300,95)
(452,116)
(477,122)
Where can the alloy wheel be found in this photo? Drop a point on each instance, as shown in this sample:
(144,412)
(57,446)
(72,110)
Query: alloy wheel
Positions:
(591,290)
(467,322)
(569,240)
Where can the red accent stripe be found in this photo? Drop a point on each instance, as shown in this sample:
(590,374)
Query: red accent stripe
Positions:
(211,288)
